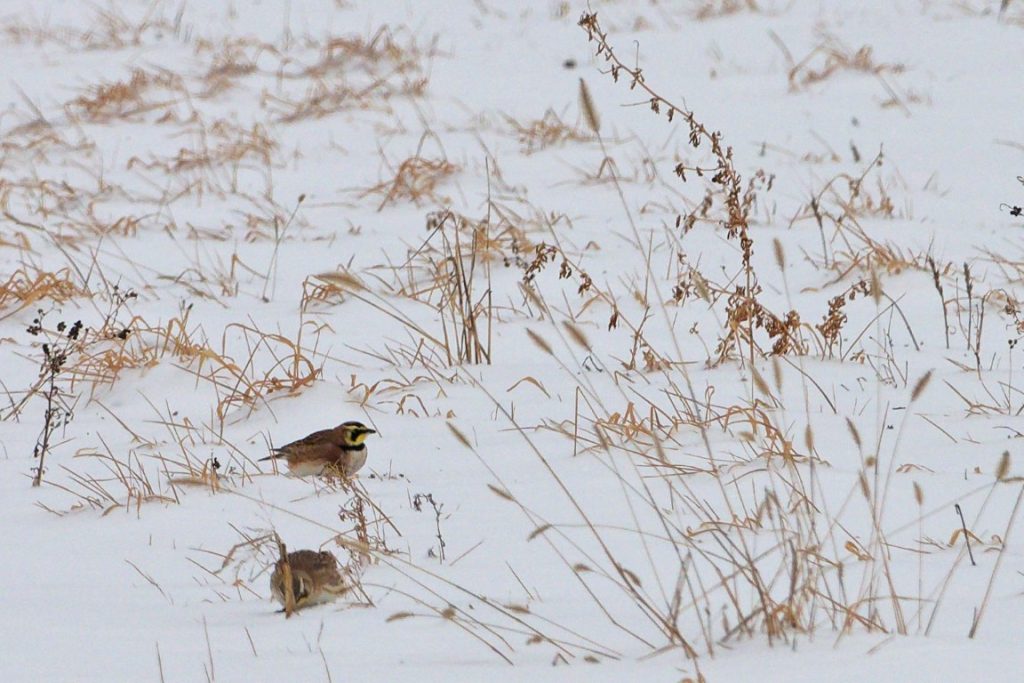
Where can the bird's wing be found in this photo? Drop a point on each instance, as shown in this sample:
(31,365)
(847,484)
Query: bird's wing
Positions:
(312,560)
(322,436)
(321,567)
(316,438)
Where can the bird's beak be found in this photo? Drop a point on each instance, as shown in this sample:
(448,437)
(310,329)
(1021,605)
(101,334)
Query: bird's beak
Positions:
(367,430)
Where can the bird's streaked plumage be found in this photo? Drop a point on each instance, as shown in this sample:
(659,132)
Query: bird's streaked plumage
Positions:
(315,579)
(341,450)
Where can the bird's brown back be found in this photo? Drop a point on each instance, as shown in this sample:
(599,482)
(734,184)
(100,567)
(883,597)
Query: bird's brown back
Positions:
(315,577)
(323,447)
(325,437)
(313,562)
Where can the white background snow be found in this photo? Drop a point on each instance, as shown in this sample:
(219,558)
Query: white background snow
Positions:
(260,154)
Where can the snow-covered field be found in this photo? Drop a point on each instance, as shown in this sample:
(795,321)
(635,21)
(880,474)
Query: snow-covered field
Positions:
(646,409)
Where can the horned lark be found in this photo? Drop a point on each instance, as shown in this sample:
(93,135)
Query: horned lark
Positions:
(342,449)
(315,579)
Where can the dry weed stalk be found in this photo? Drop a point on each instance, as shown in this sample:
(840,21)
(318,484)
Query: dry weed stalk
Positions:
(118,346)
(353,73)
(775,557)
(834,56)
(937,281)
(832,325)
(59,405)
(745,311)
(803,572)
(27,285)
(274,364)
(444,275)
(221,144)
(714,9)
(106,29)
(323,99)
(64,346)
(462,307)
(380,52)
(320,290)
(291,367)
(548,131)
(416,180)
(417,504)
(857,201)
(127,483)
(124,99)
(286,578)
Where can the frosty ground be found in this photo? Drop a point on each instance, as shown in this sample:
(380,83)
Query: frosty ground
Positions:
(647,409)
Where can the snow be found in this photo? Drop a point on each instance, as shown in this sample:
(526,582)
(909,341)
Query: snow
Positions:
(245,190)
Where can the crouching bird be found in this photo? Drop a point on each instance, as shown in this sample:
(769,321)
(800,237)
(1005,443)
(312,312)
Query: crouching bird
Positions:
(312,576)
(341,450)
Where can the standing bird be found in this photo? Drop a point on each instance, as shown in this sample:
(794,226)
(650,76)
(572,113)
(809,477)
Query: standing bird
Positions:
(314,579)
(341,450)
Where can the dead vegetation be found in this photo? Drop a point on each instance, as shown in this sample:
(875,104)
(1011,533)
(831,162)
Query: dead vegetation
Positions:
(352,73)
(127,98)
(832,57)
(714,9)
(28,285)
(546,132)
(801,564)
(416,180)
(106,29)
